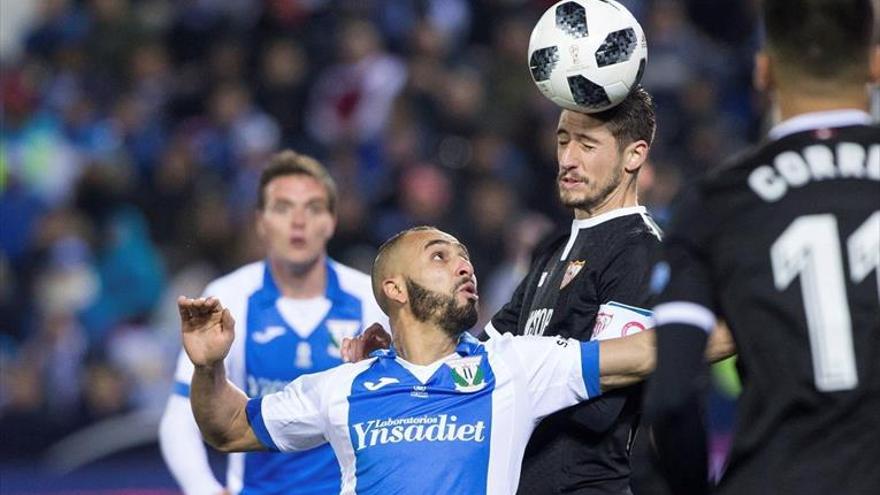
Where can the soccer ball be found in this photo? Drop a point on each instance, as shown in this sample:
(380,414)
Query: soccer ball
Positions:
(587,55)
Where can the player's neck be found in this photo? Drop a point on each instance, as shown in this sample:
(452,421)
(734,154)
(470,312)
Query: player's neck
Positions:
(300,281)
(624,196)
(420,342)
(793,103)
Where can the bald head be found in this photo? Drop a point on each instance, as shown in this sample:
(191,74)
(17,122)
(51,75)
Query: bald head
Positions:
(388,262)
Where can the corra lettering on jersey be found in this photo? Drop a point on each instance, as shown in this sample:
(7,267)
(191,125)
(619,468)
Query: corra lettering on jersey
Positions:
(538,320)
(439,428)
(815,163)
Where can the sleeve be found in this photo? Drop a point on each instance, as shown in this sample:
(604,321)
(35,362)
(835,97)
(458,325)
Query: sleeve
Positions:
(182,376)
(623,289)
(292,419)
(183,450)
(684,315)
(559,372)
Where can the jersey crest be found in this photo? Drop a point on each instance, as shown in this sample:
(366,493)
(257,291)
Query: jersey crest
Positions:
(571,271)
(467,374)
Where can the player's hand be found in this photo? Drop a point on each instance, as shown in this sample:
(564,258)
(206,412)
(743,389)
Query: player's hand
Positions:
(358,348)
(207,328)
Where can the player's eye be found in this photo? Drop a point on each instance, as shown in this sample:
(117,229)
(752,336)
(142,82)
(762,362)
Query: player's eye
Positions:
(438,255)
(316,208)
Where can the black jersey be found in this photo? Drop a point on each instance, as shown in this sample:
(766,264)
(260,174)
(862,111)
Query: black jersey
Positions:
(589,284)
(784,244)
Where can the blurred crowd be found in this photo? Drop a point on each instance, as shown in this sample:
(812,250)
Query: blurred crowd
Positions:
(133,133)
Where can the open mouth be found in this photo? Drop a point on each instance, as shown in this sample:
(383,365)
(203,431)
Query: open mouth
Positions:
(470,289)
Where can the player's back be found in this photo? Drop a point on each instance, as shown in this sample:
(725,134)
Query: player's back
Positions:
(791,232)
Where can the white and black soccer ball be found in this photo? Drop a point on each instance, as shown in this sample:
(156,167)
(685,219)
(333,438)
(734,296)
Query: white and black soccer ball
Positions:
(587,55)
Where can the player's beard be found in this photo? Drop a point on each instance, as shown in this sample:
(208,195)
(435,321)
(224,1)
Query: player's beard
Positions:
(596,193)
(441,309)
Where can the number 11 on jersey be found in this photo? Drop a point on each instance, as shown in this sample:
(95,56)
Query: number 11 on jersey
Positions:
(810,247)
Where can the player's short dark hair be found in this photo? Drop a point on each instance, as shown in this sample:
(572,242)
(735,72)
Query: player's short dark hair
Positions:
(821,39)
(289,162)
(632,119)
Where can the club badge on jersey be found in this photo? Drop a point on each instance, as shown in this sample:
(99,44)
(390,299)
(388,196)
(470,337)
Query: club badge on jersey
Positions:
(571,271)
(467,374)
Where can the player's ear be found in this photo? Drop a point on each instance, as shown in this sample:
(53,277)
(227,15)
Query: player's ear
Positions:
(635,155)
(762,76)
(394,290)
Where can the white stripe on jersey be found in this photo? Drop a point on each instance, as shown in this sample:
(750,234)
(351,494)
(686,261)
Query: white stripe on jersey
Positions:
(685,313)
(577,225)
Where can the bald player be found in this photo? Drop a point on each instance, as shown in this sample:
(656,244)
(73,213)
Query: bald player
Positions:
(421,415)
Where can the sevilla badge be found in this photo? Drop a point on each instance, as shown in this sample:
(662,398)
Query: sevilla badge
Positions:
(571,271)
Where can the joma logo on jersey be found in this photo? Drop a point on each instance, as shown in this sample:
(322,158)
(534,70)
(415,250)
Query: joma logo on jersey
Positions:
(268,334)
(440,428)
(538,320)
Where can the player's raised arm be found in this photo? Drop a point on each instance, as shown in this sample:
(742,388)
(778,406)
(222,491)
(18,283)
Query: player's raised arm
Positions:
(218,406)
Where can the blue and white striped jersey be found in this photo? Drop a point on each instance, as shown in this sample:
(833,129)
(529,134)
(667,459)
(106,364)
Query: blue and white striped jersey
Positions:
(278,340)
(459,425)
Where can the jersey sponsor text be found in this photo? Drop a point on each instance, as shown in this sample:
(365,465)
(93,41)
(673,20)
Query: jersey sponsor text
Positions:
(439,428)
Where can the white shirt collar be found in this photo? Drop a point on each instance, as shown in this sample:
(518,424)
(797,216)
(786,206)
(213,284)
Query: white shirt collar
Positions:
(604,217)
(819,120)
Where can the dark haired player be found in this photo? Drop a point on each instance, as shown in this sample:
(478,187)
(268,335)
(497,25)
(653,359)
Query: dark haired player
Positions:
(591,283)
(784,244)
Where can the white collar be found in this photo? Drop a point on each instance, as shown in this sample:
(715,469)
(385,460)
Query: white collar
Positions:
(423,372)
(819,120)
(604,217)
(577,225)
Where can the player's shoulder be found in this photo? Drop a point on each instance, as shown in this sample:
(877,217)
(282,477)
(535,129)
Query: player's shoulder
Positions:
(338,378)
(507,344)
(353,281)
(634,233)
(643,230)
(241,282)
(743,162)
(347,372)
